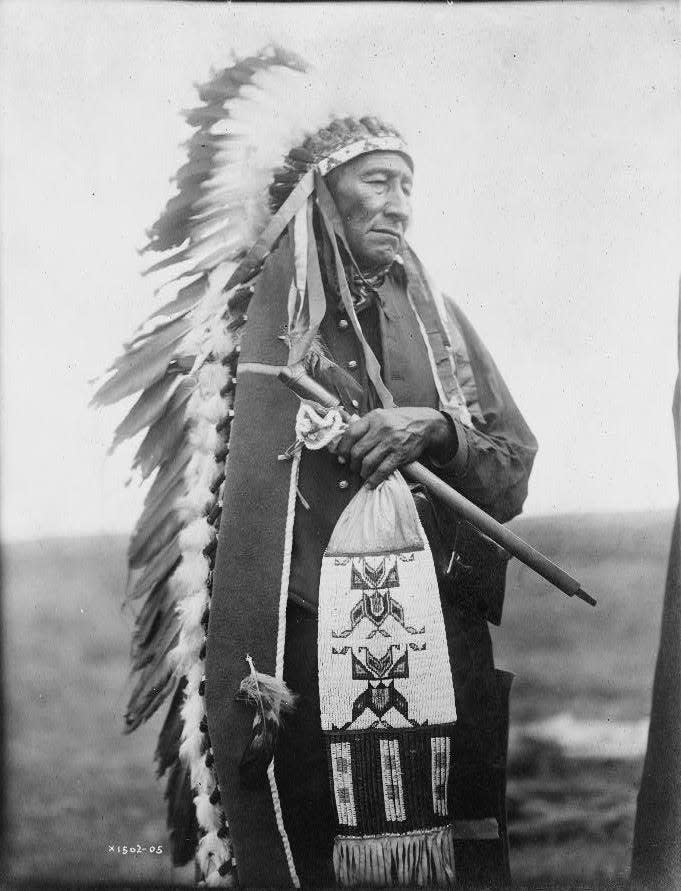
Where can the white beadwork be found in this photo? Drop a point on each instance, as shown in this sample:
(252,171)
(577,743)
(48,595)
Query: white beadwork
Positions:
(440,754)
(397,616)
(391,771)
(341,768)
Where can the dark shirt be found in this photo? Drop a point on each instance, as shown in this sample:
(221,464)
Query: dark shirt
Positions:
(390,326)
(493,455)
(391,329)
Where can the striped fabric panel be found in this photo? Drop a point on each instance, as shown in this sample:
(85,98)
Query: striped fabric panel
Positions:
(440,753)
(391,770)
(341,767)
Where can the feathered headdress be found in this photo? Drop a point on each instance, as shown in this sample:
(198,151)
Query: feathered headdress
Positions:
(267,132)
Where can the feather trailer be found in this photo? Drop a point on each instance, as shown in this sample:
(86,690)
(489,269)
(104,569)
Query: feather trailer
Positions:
(128,379)
(163,438)
(168,480)
(148,408)
(165,432)
(147,542)
(159,601)
(154,685)
(175,225)
(155,331)
(170,469)
(185,253)
(185,299)
(142,366)
(167,487)
(162,499)
(162,633)
(150,692)
(170,231)
(272,699)
(181,820)
(194,170)
(168,746)
(150,625)
(183,361)
(156,614)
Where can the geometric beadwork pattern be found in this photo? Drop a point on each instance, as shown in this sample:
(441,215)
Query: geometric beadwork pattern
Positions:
(383,657)
(386,692)
(389,781)
(341,770)
(440,755)
(391,771)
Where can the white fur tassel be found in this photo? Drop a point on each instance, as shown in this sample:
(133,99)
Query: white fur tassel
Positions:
(206,813)
(205,409)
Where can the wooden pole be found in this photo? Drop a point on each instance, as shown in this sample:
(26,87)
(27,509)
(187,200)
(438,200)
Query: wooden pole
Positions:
(297,379)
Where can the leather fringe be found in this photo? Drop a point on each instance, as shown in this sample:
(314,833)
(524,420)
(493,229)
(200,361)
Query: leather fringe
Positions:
(414,860)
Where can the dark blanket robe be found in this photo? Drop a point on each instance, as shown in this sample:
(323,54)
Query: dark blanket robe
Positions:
(270,829)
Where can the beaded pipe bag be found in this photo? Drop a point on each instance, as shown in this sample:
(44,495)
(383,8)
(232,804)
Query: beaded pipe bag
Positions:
(386,694)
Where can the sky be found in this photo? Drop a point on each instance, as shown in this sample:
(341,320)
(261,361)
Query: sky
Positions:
(546,201)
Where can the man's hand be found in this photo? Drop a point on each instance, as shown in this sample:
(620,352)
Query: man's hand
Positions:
(384,439)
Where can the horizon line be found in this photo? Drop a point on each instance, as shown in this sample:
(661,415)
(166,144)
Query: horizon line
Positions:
(19,538)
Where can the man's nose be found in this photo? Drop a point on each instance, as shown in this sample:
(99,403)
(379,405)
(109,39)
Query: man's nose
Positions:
(398,205)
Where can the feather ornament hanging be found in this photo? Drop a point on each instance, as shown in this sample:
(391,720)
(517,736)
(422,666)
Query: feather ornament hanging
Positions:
(272,700)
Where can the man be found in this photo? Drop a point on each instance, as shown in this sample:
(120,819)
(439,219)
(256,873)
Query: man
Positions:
(489,463)
(328,279)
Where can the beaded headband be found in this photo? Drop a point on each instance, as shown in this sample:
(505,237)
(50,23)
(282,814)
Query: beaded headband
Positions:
(362,147)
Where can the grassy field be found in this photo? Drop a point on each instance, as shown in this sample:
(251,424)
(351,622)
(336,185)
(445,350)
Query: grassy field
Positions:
(78,786)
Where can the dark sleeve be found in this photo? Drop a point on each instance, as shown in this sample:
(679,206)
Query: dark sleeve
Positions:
(494,457)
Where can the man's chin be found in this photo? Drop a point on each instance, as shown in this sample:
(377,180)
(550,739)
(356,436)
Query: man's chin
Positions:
(378,259)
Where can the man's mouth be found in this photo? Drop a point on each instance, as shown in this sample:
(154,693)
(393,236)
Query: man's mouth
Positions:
(390,232)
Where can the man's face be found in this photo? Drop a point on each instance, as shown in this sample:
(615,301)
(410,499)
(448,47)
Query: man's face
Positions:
(372,194)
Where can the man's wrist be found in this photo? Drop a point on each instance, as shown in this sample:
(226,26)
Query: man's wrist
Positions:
(455,461)
(444,439)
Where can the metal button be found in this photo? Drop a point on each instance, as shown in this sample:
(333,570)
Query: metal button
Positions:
(343,324)
(341,459)
(355,403)
(352,364)
(343,484)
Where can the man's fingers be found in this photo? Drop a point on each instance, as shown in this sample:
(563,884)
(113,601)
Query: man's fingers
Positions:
(355,431)
(359,453)
(370,460)
(362,446)
(387,466)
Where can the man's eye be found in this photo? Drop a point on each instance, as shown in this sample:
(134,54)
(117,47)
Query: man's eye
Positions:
(377,182)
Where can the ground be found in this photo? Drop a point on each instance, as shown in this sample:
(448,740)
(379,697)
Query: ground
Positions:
(77,787)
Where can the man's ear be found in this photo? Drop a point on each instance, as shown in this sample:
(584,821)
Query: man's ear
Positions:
(331,180)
